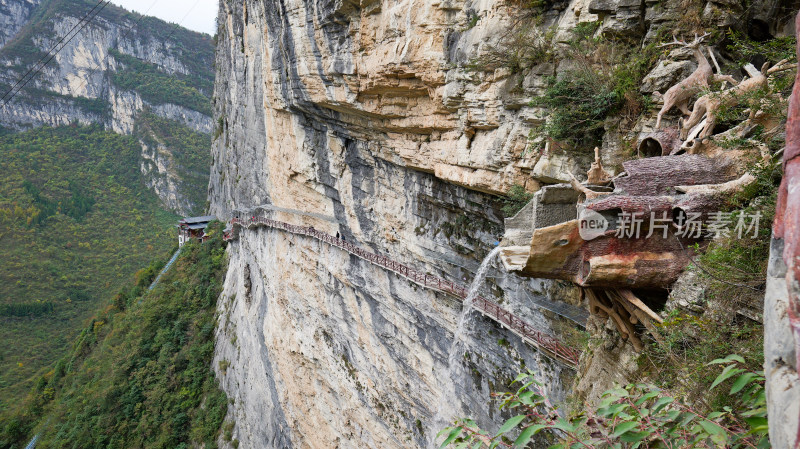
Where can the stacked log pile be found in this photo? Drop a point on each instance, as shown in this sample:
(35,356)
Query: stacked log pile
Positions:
(635,230)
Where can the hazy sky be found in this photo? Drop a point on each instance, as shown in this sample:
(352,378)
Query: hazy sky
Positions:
(199,14)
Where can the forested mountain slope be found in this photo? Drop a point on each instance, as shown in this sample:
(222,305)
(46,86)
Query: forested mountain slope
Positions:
(76,221)
(120,70)
(99,150)
(139,374)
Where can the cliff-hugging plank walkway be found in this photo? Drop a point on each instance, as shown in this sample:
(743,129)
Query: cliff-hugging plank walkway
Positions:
(547,343)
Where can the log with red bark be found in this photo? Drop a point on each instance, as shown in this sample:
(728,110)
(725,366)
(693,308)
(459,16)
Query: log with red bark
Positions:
(659,143)
(659,175)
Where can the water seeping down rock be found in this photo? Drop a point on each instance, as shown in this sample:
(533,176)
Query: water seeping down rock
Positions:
(327,350)
(362,120)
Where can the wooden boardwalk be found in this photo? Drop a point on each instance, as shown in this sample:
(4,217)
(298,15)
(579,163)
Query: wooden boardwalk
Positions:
(547,343)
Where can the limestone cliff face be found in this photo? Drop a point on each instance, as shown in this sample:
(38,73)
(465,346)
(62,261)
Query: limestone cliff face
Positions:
(396,79)
(82,84)
(350,111)
(368,115)
(14,14)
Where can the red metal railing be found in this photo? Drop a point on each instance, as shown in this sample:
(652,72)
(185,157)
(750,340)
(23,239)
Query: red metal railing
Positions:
(487,307)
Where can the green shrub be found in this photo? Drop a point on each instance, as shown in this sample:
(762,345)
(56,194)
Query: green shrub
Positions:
(578,103)
(220,128)
(604,80)
(29,309)
(138,376)
(637,415)
(676,360)
(744,48)
(516,198)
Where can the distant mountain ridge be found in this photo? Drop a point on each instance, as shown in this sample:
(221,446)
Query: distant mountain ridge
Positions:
(98,152)
(119,68)
(14,15)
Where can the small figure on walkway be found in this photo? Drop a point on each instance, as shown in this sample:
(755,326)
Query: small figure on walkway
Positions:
(337,234)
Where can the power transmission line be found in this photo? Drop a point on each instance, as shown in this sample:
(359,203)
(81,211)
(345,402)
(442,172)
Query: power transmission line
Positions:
(183,19)
(125,36)
(84,21)
(127,33)
(49,51)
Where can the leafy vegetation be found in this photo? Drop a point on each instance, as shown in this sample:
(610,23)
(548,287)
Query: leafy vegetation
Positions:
(676,362)
(744,48)
(604,80)
(516,198)
(97,107)
(75,222)
(737,267)
(190,149)
(140,373)
(638,415)
(580,101)
(76,205)
(157,86)
(192,50)
(76,219)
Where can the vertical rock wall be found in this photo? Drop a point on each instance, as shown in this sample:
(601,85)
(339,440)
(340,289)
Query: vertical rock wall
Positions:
(782,301)
(342,110)
(368,113)
(14,14)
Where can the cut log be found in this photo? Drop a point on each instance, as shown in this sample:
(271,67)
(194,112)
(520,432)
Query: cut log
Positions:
(658,175)
(633,204)
(597,175)
(643,268)
(659,143)
(631,298)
